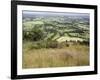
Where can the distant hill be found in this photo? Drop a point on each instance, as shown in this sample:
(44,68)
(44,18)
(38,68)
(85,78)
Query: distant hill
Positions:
(56,26)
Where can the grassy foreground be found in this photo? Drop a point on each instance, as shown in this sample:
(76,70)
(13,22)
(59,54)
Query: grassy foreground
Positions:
(75,55)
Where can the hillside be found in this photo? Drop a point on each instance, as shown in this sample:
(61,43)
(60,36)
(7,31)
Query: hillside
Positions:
(56,27)
(55,39)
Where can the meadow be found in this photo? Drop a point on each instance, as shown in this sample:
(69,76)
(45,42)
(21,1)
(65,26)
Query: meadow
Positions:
(75,55)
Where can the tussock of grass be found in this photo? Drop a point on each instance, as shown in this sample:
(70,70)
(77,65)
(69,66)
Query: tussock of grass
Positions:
(76,55)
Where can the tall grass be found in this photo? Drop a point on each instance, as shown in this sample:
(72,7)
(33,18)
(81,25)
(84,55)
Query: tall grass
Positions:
(76,55)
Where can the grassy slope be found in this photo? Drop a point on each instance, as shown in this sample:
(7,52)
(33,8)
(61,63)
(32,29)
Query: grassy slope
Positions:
(76,55)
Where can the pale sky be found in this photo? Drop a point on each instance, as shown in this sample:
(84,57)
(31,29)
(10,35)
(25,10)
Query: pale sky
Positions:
(43,13)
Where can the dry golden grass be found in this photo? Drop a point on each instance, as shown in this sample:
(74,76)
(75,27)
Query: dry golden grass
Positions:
(76,55)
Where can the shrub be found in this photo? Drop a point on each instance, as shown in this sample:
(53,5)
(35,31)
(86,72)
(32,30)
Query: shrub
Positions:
(84,43)
(41,44)
(63,44)
(33,35)
(34,46)
(51,44)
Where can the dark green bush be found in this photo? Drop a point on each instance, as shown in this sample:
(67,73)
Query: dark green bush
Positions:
(63,44)
(51,44)
(34,34)
(34,46)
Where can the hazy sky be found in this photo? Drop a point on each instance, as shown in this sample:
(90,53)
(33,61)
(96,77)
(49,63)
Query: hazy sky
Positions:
(43,13)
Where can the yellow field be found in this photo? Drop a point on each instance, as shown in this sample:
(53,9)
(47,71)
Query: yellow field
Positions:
(61,39)
(76,55)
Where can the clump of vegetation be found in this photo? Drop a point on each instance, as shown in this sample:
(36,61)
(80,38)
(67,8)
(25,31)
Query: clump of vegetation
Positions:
(34,34)
(51,44)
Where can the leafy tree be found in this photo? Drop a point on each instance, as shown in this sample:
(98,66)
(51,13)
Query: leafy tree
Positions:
(37,34)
